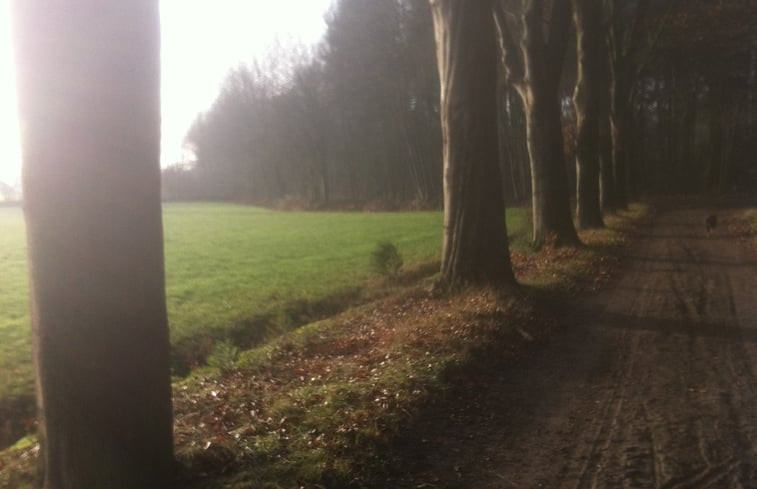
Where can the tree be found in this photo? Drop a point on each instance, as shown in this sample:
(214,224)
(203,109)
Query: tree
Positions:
(625,46)
(606,169)
(89,101)
(534,70)
(475,247)
(354,120)
(694,99)
(589,39)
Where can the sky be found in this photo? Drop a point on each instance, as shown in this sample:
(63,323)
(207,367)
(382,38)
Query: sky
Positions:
(201,41)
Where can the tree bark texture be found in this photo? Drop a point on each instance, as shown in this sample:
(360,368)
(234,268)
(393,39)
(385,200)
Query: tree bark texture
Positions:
(475,247)
(586,17)
(88,75)
(549,180)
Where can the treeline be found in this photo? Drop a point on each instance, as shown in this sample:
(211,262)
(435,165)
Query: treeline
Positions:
(695,103)
(357,119)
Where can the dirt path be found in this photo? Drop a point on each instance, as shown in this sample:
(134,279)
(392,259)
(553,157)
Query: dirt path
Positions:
(652,384)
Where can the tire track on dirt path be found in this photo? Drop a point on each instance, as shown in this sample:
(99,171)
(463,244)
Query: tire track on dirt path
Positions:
(611,419)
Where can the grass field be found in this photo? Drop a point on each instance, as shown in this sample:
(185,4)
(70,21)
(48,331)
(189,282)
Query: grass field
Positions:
(231,270)
(15,357)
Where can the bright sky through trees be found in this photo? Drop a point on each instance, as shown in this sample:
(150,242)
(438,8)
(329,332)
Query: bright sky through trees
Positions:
(201,41)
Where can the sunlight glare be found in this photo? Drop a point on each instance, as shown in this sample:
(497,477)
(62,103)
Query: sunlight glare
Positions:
(201,41)
(10,153)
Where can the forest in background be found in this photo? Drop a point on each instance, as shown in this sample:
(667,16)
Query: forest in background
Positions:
(354,122)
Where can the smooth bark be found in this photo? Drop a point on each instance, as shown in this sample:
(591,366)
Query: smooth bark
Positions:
(586,18)
(620,127)
(475,247)
(534,69)
(607,199)
(89,101)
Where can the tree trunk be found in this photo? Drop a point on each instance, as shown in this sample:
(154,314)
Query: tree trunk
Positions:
(89,102)
(625,38)
(607,199)
(586,17)
(549,182)
(510,192)
(550,198)
(475,235)
(620,125)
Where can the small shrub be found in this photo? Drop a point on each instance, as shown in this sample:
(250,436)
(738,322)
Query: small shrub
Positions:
(386,259)
(224,356)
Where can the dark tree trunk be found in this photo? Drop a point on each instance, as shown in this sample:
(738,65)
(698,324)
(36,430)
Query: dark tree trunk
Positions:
(641,173)
(549,181)
(586,17)
(625,41)
(715,142)
(690,173)
(89,99)
(607,199)
(550,195)
(608,202)
(475,236)
(620,127)
(515,143)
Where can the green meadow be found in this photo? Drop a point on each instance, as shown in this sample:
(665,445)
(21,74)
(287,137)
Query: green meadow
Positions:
(15,357)
(237,273)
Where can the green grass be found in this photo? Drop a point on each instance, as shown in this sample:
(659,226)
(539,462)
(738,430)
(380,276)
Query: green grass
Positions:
(15,350)
(237,272)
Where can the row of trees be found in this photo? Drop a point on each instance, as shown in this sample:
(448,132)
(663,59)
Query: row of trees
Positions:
(356,119)
(695,103)
(624,78)
(353,121)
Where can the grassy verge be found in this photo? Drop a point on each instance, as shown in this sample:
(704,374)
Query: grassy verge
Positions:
(318,406)
(15,351)
(587,267)
(245,274)
(234,274)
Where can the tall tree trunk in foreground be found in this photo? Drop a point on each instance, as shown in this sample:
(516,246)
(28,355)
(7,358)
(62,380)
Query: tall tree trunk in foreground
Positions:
(586,17)
(89,99)
(534,70)
(475,235)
